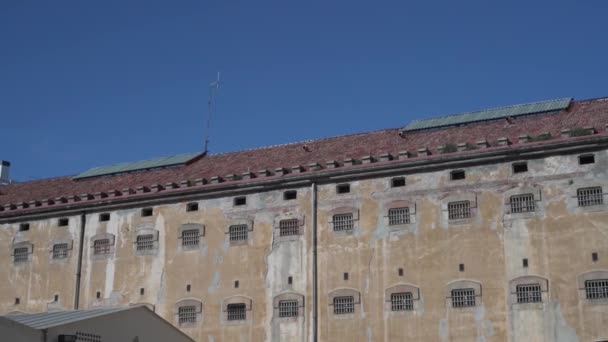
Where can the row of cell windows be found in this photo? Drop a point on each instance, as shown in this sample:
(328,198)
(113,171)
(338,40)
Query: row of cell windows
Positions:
(596,289)
(463,209)
(523,203)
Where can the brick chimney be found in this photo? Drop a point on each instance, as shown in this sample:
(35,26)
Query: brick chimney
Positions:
(4,169)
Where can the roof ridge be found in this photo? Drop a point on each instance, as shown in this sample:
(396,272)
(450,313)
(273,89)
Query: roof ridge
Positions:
(492,108)
(305,141)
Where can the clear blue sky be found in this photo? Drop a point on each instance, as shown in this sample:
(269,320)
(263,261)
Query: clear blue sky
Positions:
(90,83)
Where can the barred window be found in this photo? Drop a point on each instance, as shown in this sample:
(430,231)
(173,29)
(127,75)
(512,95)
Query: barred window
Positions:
(459,210)
(238,232)
(522,203)
(190,238)
(343,222)
(596,289)
(462,298)
(101,246)
(590,196)
(87,337)
(529,293)
(187,314)
(344,305)
(21,254)
(402,301)
(398,216)
(60,251)
(289,227)
(237,312)
(288,308)
(145,242)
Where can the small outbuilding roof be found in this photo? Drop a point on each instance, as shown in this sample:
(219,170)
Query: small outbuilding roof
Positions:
(47,320)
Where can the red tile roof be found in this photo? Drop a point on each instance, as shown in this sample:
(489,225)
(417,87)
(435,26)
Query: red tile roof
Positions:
(588,113)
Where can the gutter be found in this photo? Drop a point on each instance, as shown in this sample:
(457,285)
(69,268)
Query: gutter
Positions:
(313,190)
(475,157)
(79,267)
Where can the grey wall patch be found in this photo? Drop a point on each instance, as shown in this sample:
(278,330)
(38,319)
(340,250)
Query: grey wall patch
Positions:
(215,282)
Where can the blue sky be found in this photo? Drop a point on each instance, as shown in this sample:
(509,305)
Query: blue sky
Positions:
(90,83)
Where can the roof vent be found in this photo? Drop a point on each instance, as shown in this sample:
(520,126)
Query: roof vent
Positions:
(4,175)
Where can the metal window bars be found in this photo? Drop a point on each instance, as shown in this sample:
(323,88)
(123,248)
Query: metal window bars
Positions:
(522,203)
(590,196)
(343,222)
(101,246)
(344,305)
(145,242)
(459,210)
(238,232)
(187,314)
(402,301)
(528,293)
(236,312)
(289,227)
(596,289)
(60,251)
(190,238)
(288,308)
(20,254)
(462,298)
(398,216)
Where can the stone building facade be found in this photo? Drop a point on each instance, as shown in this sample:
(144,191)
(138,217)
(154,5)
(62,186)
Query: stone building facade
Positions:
(485,226)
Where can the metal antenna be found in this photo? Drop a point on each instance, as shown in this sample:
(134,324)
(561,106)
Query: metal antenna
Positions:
(213,88)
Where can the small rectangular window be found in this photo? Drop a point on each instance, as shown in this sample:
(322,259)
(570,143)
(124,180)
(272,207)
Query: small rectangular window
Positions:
(187,314)
(17,301)
(594,257)
(590,196)
(459,210)
(596,289)
(398,216)
(242,200)
(457,175)
(290,195)
(145,212)
(60,251)
(62,222)
(101,247)
(190,238)
(524,262)
(21,254)
(104,217)
(398,182)
(461,267)
(344,305)
(402,301)
(528,293)
(192,206)
(522,203)
(343,222)
(343,188)
(463,298)
(288,308)
(145,242)
(289,227)
(586,159)
(236,312)
(24,227)
(520,167)
(345,275)
(238,232)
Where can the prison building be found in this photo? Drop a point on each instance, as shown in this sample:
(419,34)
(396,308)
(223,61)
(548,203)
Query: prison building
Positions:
(482,226)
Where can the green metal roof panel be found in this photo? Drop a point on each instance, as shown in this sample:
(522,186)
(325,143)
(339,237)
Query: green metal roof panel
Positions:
(138,165)
(488,114)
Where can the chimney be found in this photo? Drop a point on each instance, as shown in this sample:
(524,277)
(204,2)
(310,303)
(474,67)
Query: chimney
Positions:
(4,168)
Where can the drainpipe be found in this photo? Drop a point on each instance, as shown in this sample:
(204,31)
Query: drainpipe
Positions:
(80,252)
(313,190)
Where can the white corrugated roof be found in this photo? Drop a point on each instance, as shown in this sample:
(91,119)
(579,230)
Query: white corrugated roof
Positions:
(47,320)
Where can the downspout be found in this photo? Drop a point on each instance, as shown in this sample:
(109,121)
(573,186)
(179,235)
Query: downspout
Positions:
(313,190)
(80,252)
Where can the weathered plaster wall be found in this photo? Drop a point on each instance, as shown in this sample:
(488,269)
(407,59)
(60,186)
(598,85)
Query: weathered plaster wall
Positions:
(557,239)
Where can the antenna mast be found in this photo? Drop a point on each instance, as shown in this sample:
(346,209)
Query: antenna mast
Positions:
(213,88)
